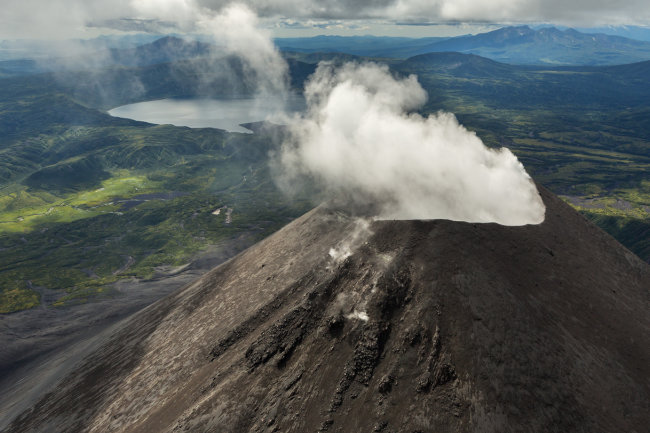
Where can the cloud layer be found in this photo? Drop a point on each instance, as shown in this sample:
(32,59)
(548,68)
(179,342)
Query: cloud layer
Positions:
(236,29)
(40,18)
(361,143)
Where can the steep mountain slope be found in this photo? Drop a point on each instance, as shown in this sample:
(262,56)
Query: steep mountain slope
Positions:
(332,325)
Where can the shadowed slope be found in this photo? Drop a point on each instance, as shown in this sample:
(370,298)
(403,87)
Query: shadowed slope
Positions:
(426,326)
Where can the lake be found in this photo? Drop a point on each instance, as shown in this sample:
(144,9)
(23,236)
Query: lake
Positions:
(225,114)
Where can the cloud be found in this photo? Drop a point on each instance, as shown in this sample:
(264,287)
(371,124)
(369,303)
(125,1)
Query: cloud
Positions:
(321,24)
(236,30)
(240,60)
(359,233)
(577,11)
(154,26)
(361,142)
(66,18)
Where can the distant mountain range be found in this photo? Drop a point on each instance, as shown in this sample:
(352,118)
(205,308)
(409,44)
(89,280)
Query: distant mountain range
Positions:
(516,45)
(639,33)
(163,50)
(520,45)
(523,45)
(513,45)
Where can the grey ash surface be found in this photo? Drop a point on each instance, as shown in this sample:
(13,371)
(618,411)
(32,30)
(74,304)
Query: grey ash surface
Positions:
(41,346)
(470,328)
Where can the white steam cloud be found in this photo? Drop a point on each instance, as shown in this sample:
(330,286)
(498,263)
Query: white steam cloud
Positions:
(344,249)
(241,59)
(236,30)
(362,144)
(360,139)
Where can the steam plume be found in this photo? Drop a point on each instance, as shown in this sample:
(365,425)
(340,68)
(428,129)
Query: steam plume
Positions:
(362,144)
(237,31)
(241,60)
(49,19)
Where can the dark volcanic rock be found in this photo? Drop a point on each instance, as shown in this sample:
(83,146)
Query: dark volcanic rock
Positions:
(427,326)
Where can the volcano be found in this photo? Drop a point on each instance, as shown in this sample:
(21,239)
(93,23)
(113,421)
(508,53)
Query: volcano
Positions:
(346,325)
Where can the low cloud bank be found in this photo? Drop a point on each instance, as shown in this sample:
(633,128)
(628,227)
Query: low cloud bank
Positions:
(240,59)
(361,142)
(236,31)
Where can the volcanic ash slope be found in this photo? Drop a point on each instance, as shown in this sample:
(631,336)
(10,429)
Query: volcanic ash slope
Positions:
(333,324)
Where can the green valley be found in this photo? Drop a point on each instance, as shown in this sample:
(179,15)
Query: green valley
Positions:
(84,203)
(87,199)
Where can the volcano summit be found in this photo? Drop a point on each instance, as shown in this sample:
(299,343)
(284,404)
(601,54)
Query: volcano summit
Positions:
(420,326)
